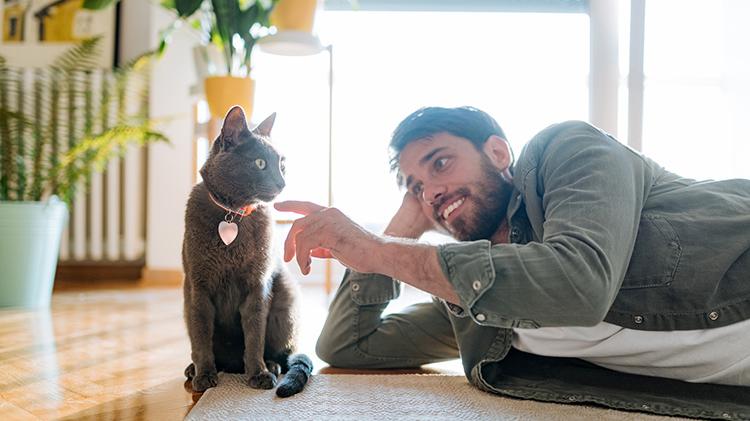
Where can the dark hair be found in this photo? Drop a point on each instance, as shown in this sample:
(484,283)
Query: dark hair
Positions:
(466,122)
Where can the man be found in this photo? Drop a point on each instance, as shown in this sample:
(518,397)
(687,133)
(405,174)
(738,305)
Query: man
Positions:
(583,273)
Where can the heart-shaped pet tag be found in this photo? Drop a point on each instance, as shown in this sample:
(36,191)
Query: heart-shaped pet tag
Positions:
(227,231)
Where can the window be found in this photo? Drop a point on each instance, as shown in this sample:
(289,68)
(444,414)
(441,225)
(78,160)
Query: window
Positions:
(697,87)
(528,70)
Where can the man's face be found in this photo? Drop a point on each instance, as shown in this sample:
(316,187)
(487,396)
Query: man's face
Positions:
(461,189)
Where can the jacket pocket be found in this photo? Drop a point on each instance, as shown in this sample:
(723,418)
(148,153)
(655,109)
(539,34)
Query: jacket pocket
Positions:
(656,254)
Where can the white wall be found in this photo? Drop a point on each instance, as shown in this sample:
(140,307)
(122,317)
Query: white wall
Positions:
(169,165)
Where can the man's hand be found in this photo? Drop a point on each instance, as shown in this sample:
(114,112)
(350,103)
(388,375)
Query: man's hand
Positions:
(327,232)
(409,221)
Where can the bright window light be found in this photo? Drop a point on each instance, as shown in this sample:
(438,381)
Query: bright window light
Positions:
(697,87)
(528,70)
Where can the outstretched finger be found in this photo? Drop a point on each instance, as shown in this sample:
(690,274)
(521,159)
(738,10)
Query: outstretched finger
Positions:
(298,206)
(307,240)
(290,244)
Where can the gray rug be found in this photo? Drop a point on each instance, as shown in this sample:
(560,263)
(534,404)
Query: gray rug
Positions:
(384,397)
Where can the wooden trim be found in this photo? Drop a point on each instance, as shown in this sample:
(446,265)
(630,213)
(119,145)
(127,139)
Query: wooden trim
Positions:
(95,271)
(161,277)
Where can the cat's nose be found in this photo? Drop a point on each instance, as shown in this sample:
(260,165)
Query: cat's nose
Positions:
(280,185)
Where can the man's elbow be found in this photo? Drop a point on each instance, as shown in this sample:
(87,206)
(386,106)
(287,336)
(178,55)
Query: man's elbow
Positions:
(594,310)
(591,319)
(334,354)
(324,350)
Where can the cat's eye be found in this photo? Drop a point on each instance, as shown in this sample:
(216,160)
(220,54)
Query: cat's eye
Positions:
(260,163)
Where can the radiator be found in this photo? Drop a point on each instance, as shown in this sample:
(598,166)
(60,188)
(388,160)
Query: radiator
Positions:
(107,216)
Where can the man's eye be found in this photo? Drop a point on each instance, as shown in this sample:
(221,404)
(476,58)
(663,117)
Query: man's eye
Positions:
(440,163)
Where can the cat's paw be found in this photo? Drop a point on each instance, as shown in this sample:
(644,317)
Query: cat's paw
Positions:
(190,371)
(263,380)
(205,381)
(273,367)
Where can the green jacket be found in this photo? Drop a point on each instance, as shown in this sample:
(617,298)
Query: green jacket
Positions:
(597,232)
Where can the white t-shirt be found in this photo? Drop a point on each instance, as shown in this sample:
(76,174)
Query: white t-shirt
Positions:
(719,355)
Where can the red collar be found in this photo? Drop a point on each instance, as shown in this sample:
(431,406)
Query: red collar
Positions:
(244,211)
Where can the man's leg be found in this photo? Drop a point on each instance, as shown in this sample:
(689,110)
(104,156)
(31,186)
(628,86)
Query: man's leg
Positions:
(356,335)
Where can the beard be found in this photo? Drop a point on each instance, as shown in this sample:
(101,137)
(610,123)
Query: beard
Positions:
(490,205)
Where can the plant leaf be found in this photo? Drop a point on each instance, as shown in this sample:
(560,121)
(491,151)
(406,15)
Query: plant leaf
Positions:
(168,4)
(97,4)
(82,56)
(61,111)
(186,8)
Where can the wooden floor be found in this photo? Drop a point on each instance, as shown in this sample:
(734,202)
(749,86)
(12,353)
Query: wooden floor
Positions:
(113,354)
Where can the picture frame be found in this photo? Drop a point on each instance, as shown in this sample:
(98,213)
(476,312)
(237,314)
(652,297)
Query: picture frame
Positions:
(34,32)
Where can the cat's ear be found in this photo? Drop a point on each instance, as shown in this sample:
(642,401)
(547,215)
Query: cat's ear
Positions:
(234,125)
(264,128)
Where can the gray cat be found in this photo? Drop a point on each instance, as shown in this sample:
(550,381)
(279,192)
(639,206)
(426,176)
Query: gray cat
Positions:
(240,303)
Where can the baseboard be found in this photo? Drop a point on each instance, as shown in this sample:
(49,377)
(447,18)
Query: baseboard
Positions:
(96,271)
(161,277)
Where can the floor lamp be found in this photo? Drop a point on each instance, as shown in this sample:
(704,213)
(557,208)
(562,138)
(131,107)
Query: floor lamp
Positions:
(300,43)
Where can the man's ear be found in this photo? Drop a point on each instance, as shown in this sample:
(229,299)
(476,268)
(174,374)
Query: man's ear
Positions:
(264,128)
(234,125)
(497,150)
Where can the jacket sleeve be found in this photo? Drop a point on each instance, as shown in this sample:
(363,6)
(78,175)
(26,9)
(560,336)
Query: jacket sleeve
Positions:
(356,334)
(592,190)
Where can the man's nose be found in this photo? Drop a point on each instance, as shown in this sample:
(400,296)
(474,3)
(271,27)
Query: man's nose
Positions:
(431,194)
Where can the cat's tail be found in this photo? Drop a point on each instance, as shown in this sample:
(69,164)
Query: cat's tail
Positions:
(300,369)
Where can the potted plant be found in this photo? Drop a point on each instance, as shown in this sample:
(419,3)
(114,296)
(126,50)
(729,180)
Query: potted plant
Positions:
(230,27)
(48,146)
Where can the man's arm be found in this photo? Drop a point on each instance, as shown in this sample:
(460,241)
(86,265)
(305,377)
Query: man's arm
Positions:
(357,335)
(591,190)
(327,232)
(417,265)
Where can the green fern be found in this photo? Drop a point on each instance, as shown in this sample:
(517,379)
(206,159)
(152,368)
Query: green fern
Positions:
(83,56)
(6,146)
(93,152)
(65,116)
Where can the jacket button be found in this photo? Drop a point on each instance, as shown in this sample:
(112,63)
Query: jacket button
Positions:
(355,287)
(481,317)
(713,315)
(638,319)
(476,285)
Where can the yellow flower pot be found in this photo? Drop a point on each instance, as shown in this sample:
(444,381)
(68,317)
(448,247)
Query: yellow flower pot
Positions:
(294,15)
(224,92)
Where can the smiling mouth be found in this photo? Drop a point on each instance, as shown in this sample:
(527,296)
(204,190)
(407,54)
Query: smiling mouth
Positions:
(451,207)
